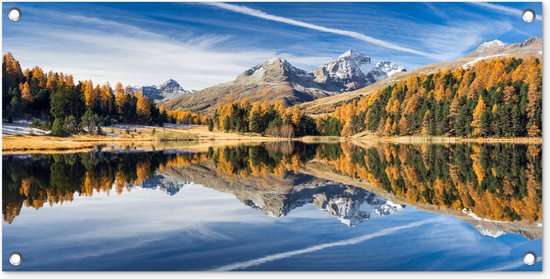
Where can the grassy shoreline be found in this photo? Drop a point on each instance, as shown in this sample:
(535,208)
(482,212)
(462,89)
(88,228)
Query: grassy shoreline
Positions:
(199,138)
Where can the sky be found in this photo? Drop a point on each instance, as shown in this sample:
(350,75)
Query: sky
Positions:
(204,44)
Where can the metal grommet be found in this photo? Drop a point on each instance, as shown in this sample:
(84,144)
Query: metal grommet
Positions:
(528,15)
(16,259)
(530,258)
(14,14)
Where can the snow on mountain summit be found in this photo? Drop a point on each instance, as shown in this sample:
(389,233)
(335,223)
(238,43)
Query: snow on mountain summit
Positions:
(384,69)
(273,70)
(355,56)
(167,90)
(353,70)
(489,45)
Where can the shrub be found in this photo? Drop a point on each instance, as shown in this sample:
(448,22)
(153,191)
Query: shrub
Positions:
(58,128)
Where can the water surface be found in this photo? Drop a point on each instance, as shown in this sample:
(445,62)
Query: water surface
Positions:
(276,206)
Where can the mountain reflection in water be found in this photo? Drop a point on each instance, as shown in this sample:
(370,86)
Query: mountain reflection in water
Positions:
(482,182)
(428,208)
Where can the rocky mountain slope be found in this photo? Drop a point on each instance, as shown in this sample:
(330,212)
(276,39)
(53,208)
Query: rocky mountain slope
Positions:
(353,70)
(168,90)
(487,50)
(277,80)
(273,80)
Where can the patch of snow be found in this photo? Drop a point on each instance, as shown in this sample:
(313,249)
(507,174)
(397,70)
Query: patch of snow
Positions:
(175,126)
(137,126)
(129,126)
(486,232)
(21,127)
(275,60)
(490,44)
(475,217)
(473,62)
(384,69)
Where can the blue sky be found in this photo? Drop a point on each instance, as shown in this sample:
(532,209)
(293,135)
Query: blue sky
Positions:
(201,45)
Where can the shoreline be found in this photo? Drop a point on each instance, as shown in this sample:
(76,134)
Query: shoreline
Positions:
(199,138)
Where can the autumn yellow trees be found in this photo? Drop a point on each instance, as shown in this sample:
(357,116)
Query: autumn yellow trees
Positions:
(186,117)
(262,117)
(55,98)
(500,97)
(478,112)
(495,98)
(497,182)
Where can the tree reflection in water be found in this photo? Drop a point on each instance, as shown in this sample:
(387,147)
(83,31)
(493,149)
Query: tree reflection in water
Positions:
(495,181)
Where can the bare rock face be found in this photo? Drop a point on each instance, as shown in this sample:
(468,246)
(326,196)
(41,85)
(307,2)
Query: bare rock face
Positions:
(168,90)
(274,80)
(277,80)
(496,48)
(353,70)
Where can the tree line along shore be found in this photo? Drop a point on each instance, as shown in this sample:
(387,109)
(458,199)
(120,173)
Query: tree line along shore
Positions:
(497,99)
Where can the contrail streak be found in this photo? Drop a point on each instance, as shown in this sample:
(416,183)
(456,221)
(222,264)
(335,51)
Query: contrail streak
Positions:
(352,34)
(503,9)
(351,241)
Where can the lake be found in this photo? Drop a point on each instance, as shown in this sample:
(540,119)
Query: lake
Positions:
(276,206)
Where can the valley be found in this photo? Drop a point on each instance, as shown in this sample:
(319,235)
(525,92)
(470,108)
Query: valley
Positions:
(345,99)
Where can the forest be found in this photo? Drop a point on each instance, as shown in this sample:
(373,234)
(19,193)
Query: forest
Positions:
(499,98)
(495,98)
(68,108)
(261,117)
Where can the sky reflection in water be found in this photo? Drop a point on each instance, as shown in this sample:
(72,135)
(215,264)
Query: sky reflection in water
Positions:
(201,228)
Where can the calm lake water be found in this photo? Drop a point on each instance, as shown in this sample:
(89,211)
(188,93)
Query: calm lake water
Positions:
(276,206)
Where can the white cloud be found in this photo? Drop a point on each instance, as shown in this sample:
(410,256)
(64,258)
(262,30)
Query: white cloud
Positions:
(454,40)
(90,48)
(352,34)
(503,9)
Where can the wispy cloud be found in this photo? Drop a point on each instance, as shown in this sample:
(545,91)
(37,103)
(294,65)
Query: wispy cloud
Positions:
(512,265)
(201,46)
(436,11)
(352,34)
(503,9)
(111,51)
(351,241)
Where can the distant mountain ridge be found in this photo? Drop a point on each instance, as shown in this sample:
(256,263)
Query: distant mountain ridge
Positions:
(277,80)
(353,70)
(168,90)
(487,50)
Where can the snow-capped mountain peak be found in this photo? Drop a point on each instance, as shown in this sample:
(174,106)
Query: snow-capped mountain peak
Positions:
(353,70)
(276,60)
(167,90)
(354,56)
(384,69)
(345,72)
(490,44)
(273,70)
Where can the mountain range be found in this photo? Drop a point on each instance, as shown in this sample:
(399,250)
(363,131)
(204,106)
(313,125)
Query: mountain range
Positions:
(485,51)
(349,76)
(166,91)
(277,197)
(321,188)
(277,80)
